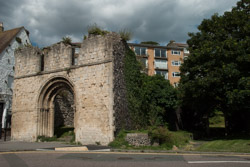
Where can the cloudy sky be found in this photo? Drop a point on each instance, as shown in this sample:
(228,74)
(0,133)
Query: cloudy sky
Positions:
(157,20)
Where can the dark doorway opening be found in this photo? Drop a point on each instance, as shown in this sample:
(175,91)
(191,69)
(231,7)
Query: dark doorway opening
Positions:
(64,115)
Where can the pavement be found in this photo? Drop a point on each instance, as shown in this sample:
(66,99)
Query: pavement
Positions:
(10,146)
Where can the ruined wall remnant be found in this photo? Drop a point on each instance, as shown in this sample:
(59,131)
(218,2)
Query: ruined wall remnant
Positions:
(122,117)
(96,82)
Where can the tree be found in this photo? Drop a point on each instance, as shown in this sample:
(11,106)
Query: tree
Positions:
(159,101)
(216,74)
(151,99)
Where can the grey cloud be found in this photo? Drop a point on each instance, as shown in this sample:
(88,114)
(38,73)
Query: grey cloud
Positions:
(159,20)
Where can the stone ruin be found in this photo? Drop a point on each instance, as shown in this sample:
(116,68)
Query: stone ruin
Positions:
(92,73)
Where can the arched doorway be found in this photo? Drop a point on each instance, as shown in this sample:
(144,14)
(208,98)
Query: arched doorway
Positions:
(56,106)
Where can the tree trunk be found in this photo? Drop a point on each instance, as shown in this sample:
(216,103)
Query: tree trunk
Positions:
(226,124)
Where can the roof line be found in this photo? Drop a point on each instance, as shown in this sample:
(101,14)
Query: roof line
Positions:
(155,46)
(7,42)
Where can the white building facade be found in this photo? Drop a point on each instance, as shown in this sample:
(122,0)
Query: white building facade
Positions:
(10,40)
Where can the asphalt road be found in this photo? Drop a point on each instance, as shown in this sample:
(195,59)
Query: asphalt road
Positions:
(108,159)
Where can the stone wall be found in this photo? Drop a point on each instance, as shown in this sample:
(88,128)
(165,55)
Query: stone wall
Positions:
(122,117)
(64,109)
(28,62)
(138,139)
(96,81)
(55,55)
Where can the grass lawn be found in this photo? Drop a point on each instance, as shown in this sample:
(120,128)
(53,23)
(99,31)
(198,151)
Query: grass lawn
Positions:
(217,121)
(224,145)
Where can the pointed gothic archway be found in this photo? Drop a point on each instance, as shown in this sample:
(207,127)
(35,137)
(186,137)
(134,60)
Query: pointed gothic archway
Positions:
(46,102)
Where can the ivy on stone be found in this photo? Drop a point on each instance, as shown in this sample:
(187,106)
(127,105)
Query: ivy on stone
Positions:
(151,99)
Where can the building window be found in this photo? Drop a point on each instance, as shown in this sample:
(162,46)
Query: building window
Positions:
(141,51)
(176,74)
(144,62)
(176,52)
(10,81)
(160,53)
(162,73)
(176,63)
(162,64)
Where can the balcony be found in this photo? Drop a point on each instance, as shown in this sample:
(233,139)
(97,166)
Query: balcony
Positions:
(161,64)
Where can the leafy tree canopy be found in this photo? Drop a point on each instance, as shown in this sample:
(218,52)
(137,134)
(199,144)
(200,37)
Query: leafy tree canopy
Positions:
(216,74)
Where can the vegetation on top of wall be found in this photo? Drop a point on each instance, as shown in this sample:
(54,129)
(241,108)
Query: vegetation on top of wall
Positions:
(151,99)
(125,34)
(150,43)
(97,30)
(94,29)
(67,40)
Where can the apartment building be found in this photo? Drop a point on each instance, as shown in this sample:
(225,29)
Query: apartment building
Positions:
(162,60)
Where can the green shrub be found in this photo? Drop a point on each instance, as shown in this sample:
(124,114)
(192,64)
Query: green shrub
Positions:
(161,135)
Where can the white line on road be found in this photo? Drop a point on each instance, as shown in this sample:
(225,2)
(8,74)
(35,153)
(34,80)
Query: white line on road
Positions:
(207,162)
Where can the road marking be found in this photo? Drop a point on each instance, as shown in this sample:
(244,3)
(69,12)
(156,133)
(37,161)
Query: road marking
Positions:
(214,162)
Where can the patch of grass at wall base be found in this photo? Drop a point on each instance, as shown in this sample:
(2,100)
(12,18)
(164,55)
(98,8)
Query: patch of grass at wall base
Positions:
(233,145)
(46,139)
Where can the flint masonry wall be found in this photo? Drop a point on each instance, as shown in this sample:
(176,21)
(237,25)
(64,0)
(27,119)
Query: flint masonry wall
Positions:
(97,81)
(121,115)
